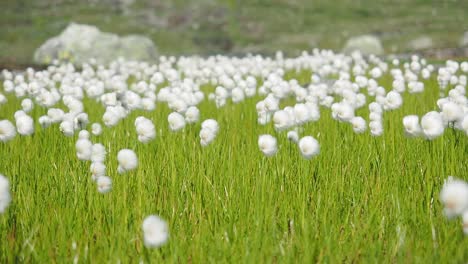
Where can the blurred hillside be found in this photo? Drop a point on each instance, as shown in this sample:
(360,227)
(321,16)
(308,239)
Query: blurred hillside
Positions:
(235,26)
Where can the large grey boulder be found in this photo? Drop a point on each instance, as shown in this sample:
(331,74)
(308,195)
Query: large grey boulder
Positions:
(79,43)
(421,43)
(366,44)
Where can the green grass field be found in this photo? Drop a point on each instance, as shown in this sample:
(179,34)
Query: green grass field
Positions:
(363,199)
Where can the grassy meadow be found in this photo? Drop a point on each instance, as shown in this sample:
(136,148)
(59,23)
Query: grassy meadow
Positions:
(363,199)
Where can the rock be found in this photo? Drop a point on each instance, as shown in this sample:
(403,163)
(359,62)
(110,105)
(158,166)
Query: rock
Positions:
(366,44)
(464,40)
(421,43)
(79,43)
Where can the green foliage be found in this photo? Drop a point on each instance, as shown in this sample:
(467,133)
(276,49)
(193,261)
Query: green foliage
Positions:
(363,199)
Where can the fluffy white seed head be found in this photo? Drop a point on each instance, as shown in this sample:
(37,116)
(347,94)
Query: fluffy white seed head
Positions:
(155,231)
(411,125)
(293,136)
(268,145)
(206,136)
(454,197)
(393,101)
(237,95)
(359,124)
(110,117)
(432,125)
(84,149)
(44,121)
(376,128)
(104,184)
(282,120)
(210,124)
(55,114)
(24,124)
(451,112)
(80,121)
(375,107)
(127,160)
(66,127)
(98,153)
(84,134)
(148,104)
(309,147)
(145,129)
(96,129)
(27,105)
(301,114)
(97,169)
(7,131)
(176,121)
(192,115)
(342,111)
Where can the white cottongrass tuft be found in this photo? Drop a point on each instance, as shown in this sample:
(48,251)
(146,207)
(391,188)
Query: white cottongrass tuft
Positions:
(155,231)
(451,112)
(393,101)
(206,137)
(342,111)
(7,131)
(376,128)
(66,127)
(80,121)
(55,115)
(454,197)
(97,169)
(98,153)
(309,147)
(192,115)
(104,184)
(84,134)
(208,132)
(44,121)
(24,123)
(210,124)
(375,108)
(293,136)
(127,160)
(96,129)
(282,120)
(268,145)
(176,121)
(110,117)
(27,105)
(432,125)
(145,129)
(411,124)
(5,197)
(84,149)
(359,124)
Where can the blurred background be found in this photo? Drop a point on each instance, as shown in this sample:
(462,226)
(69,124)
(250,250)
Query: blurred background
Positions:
(435,28)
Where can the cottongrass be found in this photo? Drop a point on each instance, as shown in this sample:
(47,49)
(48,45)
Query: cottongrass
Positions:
(155,231)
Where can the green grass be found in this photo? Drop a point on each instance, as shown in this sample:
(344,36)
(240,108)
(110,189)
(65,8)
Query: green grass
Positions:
(363,199)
